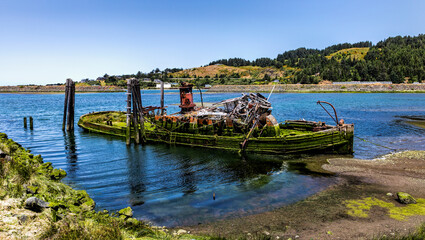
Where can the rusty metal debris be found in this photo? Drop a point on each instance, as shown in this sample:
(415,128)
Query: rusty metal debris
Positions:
(336,116)
(246,109)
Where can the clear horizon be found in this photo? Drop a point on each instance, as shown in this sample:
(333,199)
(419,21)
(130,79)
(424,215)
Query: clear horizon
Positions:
(45,42)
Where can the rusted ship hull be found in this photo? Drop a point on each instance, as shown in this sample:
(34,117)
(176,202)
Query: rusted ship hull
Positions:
(295,137)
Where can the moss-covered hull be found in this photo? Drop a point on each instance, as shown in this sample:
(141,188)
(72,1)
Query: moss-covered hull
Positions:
(332,140)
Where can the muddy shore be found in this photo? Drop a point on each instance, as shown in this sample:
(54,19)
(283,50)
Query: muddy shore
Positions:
(323,88)
(362,205)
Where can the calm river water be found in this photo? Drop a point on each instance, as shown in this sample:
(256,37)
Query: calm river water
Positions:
(173,185)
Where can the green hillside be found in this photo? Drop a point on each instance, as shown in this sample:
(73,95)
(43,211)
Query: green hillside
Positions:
(222,74)
(352,53)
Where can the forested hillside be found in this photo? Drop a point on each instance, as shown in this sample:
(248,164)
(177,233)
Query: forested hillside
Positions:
(396,59)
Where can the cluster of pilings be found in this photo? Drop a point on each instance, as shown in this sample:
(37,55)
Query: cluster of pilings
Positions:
(31,123)
(135,119)
(68,111)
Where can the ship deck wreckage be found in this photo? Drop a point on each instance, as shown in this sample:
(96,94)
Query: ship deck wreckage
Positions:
(242,124)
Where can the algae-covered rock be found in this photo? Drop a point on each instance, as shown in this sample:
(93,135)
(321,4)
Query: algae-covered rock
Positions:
(133,221)
(57,174)
(32,189)
(128,212)
(181,232)
(56,205)
(89,204)
(3,194)
(48,170)
(405,198)
(45,168)
(81,196)
(35,204)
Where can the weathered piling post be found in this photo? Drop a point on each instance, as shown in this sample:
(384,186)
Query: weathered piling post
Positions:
(128,132)
(162,98)
(200,92)
(31,123)
(134,99)
(65,105)
(25,122)
(71,106)
(141,114)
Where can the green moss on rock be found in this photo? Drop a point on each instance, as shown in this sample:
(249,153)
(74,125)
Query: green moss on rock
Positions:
(57,174)
(405,198)
(89,204)
(128,212)
(361,208)
(32,189)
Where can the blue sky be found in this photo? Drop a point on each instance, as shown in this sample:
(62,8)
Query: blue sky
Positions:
(47,41)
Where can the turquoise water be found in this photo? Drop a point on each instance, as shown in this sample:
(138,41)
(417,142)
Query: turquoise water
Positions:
(173,185)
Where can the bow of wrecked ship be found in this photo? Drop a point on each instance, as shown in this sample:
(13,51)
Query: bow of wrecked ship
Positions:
(243,124)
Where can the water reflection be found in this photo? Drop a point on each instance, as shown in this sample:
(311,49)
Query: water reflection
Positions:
(136,161)
(70,153)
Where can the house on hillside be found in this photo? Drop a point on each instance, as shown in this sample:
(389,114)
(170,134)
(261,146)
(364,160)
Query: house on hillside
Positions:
(166,85)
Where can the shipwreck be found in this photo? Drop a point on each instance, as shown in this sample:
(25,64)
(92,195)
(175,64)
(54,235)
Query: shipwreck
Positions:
(242,124)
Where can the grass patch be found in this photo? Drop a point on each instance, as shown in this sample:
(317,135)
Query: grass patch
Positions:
(352,53)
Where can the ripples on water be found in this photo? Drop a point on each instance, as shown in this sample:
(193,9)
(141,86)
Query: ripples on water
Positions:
(173,185)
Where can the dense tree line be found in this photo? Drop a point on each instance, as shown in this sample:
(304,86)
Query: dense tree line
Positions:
(240,62)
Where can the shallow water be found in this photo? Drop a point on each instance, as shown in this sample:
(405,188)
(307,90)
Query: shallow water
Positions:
(173,185)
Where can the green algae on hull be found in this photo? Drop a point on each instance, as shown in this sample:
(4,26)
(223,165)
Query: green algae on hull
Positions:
(291,137)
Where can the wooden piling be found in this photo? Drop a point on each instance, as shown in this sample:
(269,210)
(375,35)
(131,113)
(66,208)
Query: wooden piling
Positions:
(162,98)
(141,114)
(71,106)
(65,105)
(25,122)
(128,113)
(135,112)
(202,99)
(31,123)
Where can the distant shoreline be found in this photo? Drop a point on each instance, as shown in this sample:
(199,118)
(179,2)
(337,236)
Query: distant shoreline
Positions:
(278,88)
(323,88)
(57,89)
